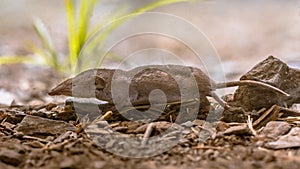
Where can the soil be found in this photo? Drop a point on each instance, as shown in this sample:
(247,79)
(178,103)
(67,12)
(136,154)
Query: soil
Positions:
(38,131)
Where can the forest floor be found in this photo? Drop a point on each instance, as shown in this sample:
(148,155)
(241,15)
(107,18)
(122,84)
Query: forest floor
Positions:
(38,131)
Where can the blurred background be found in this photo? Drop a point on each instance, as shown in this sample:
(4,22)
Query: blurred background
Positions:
(242,32)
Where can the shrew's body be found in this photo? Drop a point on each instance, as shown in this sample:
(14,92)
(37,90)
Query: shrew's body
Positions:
(136,86)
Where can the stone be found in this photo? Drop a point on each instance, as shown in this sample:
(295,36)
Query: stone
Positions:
(274,129)
(290,140)
(10,157)
(31,125)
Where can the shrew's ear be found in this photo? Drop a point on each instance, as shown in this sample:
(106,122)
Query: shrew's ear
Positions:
(99,82)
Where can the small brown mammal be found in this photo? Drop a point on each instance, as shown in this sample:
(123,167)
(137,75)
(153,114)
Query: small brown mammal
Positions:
(175,81)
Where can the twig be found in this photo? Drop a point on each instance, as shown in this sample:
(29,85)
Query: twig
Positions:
(171,118)
(35,138)
(106,116)
(250,126)
(220,101)
(147,134)
(201,146)
(269,115)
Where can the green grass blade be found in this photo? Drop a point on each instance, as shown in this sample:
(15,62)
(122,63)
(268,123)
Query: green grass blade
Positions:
(83,21)
(78,22)
(43,34)
(44,55)
(78,27)
(14,59)
(86,9)
(50,54)
(72,38)
(40,52)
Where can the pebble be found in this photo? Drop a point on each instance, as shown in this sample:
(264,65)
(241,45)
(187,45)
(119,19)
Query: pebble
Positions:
(10,157)
(275,129)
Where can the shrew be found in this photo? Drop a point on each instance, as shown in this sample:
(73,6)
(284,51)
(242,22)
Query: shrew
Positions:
(174,83)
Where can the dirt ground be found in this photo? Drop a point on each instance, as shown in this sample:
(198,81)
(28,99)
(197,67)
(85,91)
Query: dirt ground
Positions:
(44,133)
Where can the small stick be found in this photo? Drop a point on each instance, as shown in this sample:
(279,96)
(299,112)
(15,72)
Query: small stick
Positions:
(147,134)
(250,126)
(220,101)
(106,116)
(35,138)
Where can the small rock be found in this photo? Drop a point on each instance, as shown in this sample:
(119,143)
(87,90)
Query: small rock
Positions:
(258,155)
(187,124)
(8,125)
(67,163)
(120,129)
(7,166)
(222,126)
(50,106)
(10,157)
(99,164)
(36,125)
(15,117)
(296,107)
(292,139)
(150,165)
(275,129)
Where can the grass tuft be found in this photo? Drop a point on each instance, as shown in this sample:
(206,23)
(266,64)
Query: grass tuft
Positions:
(79,31)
